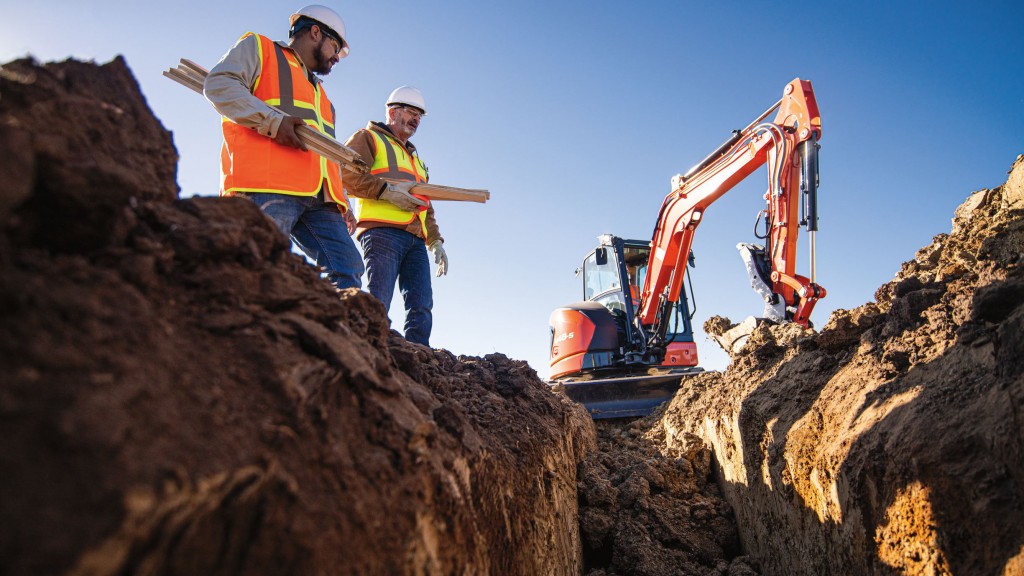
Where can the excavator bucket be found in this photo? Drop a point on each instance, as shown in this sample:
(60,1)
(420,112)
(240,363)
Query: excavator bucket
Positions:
(732,337)
(626,396)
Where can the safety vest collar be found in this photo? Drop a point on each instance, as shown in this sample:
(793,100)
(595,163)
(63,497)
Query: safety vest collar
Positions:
(286,102)
(284,46)
(394,160)
(386,130)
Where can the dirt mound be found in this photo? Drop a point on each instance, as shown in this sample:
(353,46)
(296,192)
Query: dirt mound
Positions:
(891,442)
(183,395)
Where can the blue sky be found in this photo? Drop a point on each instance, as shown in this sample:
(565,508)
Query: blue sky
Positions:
(575,115)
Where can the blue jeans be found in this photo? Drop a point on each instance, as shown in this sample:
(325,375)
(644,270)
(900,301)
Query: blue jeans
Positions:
(318,229)
(392,254)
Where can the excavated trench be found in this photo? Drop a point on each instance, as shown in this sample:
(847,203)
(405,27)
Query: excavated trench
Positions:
(180,394)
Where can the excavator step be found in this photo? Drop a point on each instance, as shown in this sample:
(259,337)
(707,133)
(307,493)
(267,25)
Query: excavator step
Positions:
(624,396)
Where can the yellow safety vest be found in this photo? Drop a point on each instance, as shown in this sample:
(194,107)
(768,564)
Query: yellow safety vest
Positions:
(393,161)
(251,162)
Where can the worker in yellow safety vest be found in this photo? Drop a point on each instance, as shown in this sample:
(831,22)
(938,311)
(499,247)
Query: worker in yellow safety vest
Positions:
(396,227)
(263,159)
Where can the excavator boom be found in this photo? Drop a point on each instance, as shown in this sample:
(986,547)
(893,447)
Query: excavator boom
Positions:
(797,126)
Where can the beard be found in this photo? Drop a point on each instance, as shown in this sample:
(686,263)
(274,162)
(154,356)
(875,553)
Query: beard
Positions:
(323,65)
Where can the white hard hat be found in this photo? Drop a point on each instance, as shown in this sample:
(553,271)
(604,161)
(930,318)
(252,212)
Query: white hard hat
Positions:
(326,18)
(409,96)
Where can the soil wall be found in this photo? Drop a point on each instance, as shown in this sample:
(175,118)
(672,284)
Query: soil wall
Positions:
(893,441)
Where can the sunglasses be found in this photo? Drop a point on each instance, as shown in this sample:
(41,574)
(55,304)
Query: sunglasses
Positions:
(412,110)
(334,42)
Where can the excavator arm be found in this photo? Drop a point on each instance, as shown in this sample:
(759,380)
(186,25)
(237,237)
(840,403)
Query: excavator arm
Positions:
(788,145)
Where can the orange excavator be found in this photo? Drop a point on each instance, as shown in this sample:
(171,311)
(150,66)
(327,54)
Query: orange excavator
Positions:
(627,347)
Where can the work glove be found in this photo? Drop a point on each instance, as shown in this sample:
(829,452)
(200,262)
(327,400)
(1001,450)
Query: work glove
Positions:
(440,258)
(398,194)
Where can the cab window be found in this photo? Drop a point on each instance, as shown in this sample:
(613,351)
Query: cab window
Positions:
(600,278)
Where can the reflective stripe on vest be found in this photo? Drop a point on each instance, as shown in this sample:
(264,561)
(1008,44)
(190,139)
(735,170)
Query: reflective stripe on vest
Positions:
(251,162)
(391,160)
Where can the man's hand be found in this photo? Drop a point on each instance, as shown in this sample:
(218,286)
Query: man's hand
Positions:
(398,194)
(350,219)
(286,135)
(440,258)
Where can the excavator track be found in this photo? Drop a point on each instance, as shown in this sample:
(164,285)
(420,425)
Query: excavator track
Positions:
(630,396)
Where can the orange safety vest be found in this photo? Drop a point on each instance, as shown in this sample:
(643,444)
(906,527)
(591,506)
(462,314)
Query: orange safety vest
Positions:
(252,162)
(393,161)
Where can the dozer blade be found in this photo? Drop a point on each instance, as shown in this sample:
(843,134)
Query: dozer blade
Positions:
(624,396)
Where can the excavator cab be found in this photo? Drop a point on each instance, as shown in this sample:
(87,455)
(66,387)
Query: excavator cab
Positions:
(594,342)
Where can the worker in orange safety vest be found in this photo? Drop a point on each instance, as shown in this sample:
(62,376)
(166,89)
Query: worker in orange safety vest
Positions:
(263,159)
(395,227)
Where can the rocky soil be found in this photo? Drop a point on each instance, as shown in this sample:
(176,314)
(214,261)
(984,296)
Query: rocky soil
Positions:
(180,394)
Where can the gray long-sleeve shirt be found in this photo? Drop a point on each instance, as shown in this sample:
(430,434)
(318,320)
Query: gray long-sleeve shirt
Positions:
(230,84)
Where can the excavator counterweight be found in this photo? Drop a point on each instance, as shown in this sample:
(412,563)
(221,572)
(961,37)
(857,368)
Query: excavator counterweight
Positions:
(627,346)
